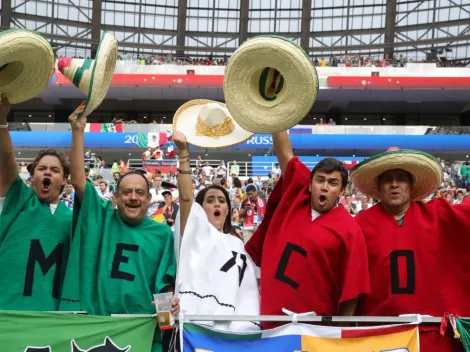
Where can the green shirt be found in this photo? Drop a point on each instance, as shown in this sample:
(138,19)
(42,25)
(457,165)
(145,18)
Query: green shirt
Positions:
(115,268)
(34,246)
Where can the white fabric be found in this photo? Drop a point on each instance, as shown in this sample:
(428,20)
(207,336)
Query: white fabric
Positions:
(204,252)
(1,204)
(315,214)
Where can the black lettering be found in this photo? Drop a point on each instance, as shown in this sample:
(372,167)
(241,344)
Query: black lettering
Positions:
(36,254)
(120,258)
(284,261)
(37,349)
(410,272)
(231,262)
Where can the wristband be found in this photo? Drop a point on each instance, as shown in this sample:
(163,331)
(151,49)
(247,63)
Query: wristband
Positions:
(185,172)
(4,126)
(182,157)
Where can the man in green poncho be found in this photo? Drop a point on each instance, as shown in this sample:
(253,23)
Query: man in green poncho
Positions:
(119,257)
(35,227)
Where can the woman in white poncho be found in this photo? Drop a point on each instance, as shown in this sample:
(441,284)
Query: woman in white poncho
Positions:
(215,274)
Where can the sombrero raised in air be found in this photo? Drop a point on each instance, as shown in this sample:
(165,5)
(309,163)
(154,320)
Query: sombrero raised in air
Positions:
(93,77)
(208,124)
(270,84)
(425,170)
(26,64)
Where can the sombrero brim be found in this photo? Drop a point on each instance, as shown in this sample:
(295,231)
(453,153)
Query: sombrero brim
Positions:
(245,84)
(185,121)
(425,170)
(26,65)
(102,72)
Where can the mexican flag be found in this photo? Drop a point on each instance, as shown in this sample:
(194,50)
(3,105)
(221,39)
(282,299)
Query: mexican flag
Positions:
(171,149)
(153,139)
(104,127)
(52,332)
(304,337)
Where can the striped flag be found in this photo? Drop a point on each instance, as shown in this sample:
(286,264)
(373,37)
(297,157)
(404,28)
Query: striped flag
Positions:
(303,337)
(104,127)
(152,139)
(171,149)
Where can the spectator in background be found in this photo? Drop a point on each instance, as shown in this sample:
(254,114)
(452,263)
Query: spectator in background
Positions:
(68,195)
(115,167)
(113,185)
(104,192)
(252,210)
(234,169)
(331,122)
(207,170)
(221,170)
(156,194)
(460,197)
(169,208)
(321,122)
(235,189)
(123,167)
(276,171)
(35,229)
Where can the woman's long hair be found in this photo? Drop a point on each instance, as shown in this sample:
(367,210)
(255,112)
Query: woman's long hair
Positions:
(228,220)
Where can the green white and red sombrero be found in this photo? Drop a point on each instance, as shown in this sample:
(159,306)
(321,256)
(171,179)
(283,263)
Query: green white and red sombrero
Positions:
(425,170)
(26,64)
(93,77)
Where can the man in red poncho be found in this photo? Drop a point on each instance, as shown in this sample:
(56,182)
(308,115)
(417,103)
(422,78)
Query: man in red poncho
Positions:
(418,252)
(311,252)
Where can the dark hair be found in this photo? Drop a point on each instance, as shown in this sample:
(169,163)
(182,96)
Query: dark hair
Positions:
(223,181)
(133,173)
(250,180)
(250,188)
(200,199)
(330,165)
(51,152)
(236,182)
(104,183)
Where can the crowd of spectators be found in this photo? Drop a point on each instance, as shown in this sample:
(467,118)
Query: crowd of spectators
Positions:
(244,191)
(346,60)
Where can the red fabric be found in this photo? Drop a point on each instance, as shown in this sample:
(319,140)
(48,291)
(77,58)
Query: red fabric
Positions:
(329,264)
(437,234)
(64,63)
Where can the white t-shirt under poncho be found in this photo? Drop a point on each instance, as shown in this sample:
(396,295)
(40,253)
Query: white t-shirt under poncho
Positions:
(216,276)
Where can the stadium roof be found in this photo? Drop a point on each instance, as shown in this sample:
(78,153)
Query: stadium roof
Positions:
(217,27)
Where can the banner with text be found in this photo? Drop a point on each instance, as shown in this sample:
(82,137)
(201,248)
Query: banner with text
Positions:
(305,338)
(164,166)
(54,332)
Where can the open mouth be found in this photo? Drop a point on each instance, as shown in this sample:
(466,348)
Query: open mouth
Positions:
(322,200)
(133,205)
(46,185)
(217,213)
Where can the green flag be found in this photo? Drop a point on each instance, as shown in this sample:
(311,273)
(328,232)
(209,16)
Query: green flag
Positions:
(54,332)
(463,327)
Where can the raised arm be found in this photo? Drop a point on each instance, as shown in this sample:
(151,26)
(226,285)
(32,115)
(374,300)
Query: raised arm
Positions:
(283,149)
(8,167)
(185,180)
(77,155)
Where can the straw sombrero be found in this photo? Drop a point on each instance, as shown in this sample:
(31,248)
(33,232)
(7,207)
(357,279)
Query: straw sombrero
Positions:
(26,64)
(425,170)
(208,124)
(93,77)
(270,84)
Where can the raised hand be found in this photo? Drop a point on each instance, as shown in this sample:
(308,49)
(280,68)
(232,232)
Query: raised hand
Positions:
(180,140)
(78,124)
(4,108)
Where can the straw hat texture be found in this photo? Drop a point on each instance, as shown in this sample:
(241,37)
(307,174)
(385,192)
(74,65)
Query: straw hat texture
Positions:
(208,124)
(425,170)
(93,77)
(26,64)
(270,84)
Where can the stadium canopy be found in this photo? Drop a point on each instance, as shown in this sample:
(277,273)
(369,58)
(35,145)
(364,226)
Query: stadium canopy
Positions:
(215,28)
